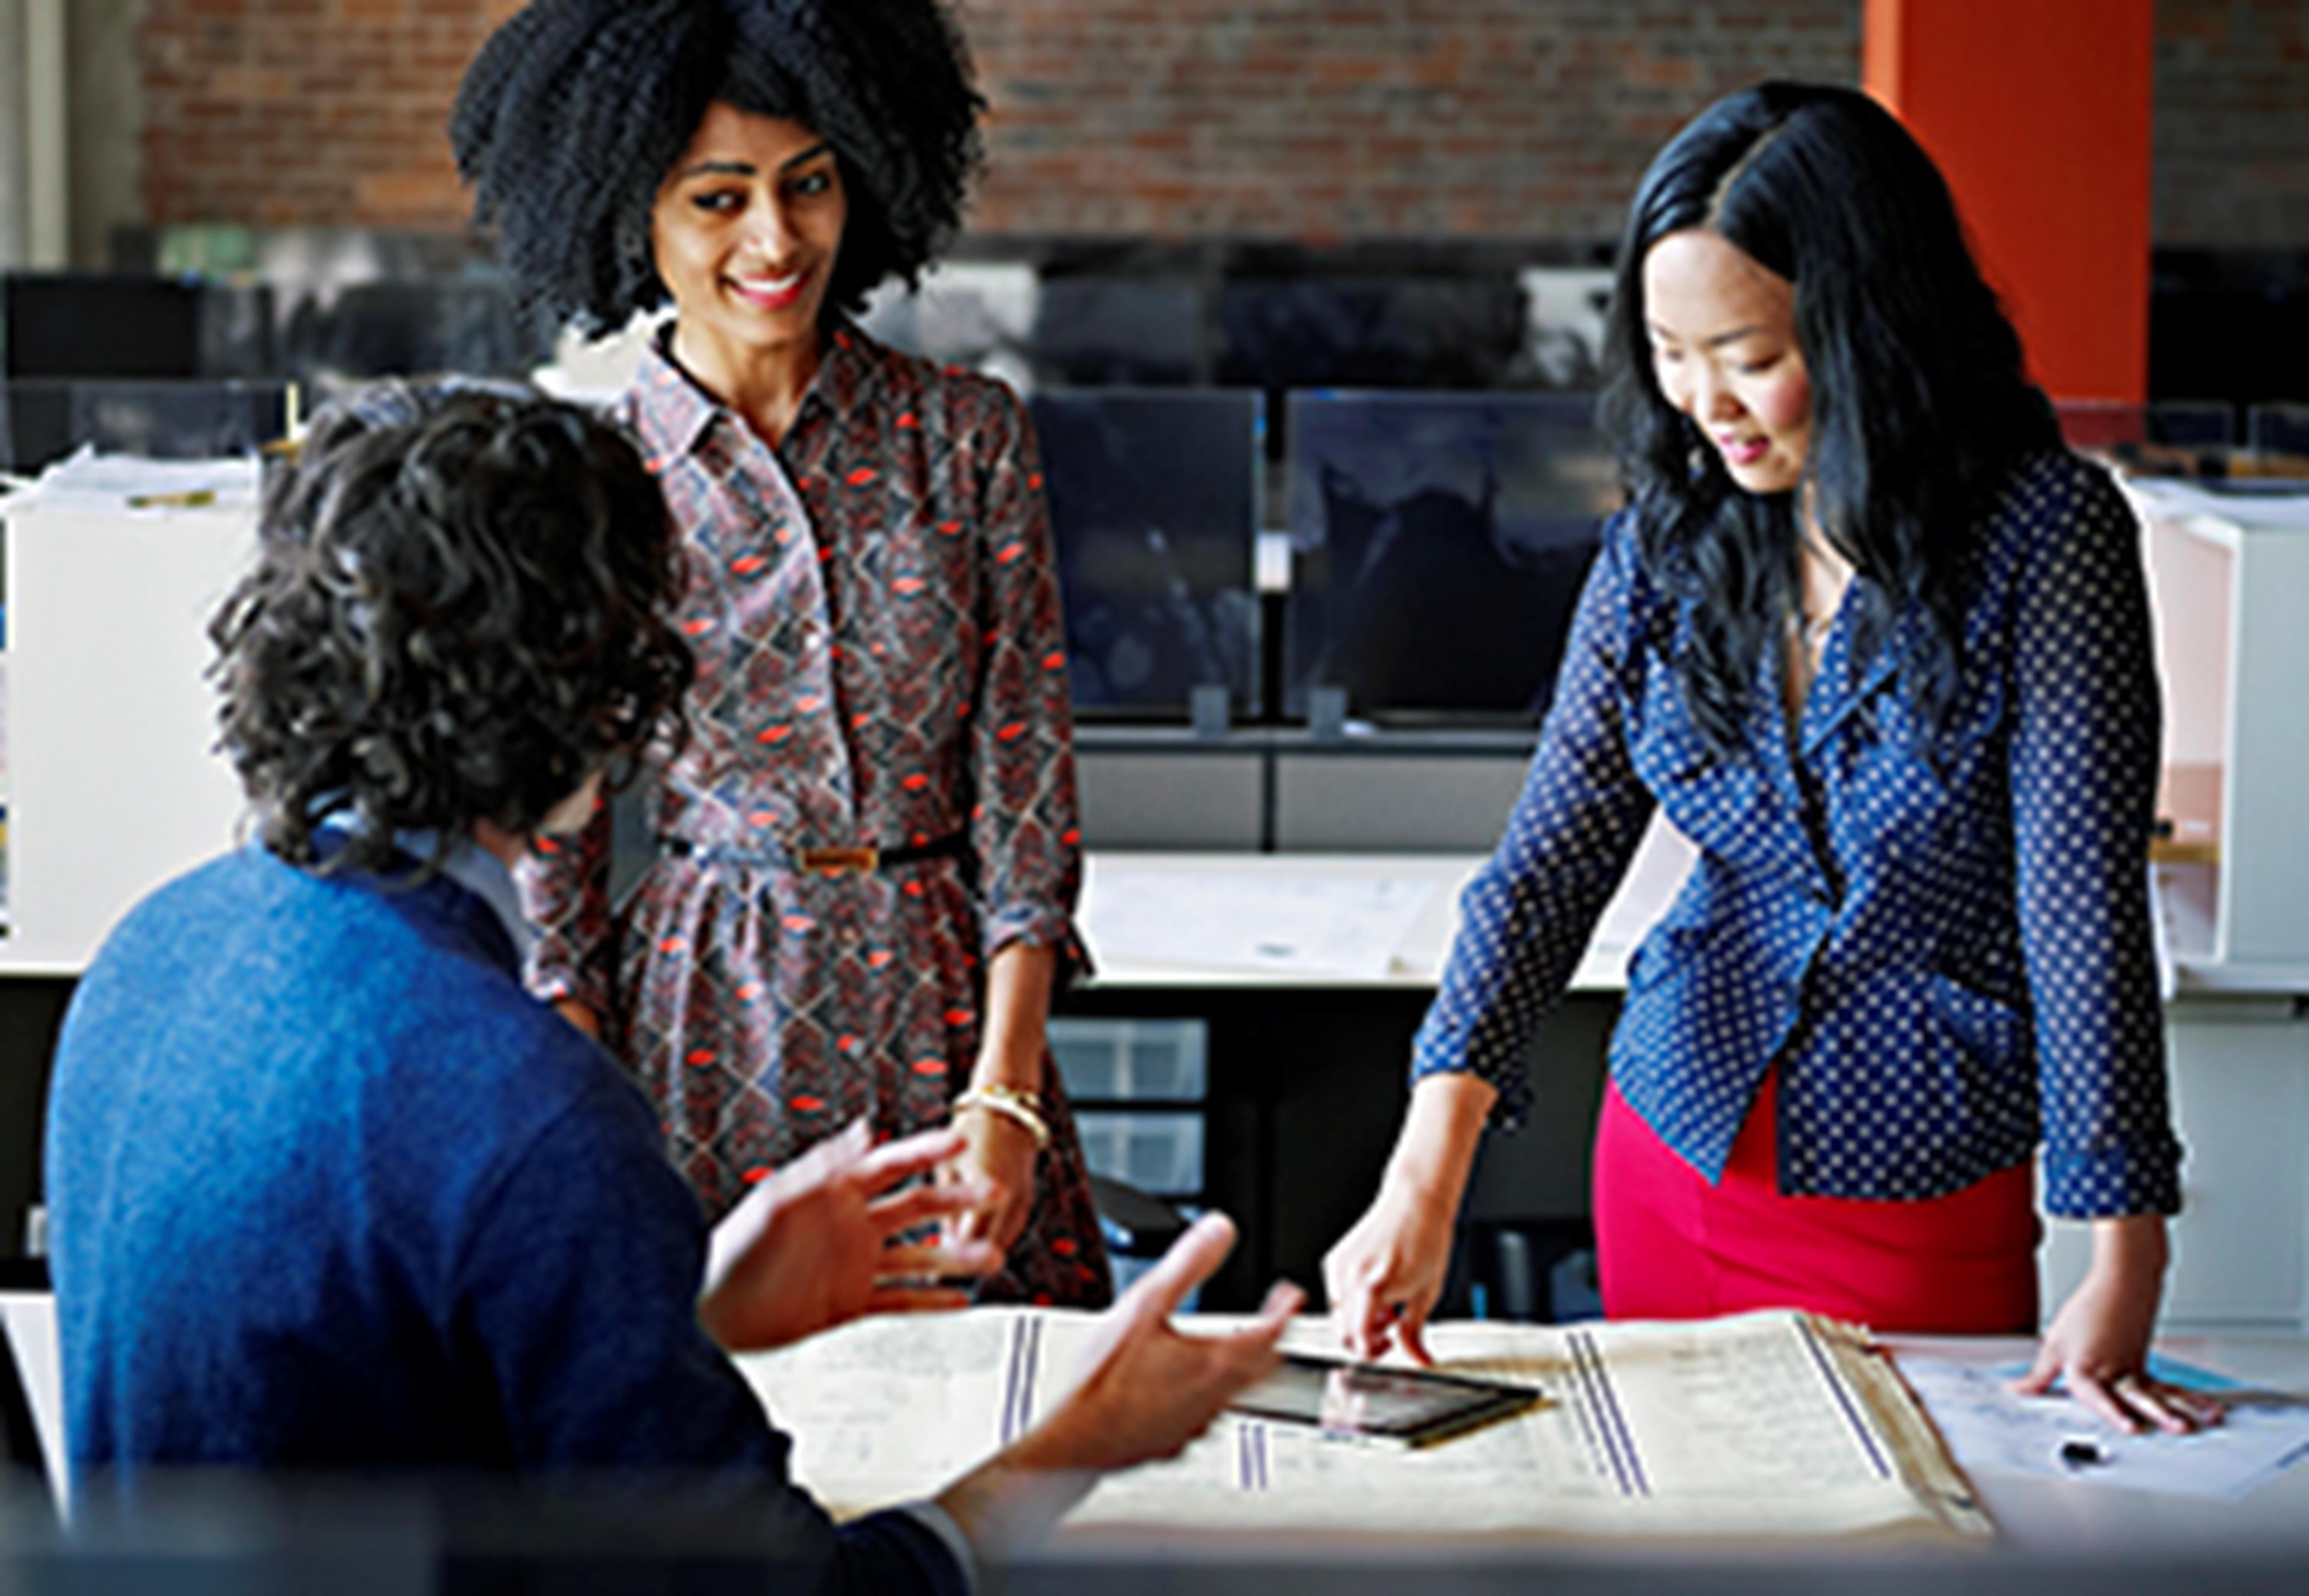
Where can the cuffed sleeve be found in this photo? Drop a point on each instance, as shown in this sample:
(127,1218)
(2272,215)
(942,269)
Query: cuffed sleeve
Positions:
(565,892)
(940,1524)
(1024,828)
(2084,769)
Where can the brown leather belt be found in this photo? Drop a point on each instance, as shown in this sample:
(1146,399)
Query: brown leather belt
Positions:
(822,861)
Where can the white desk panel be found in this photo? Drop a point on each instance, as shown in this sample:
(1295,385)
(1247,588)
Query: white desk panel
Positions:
(1200,888)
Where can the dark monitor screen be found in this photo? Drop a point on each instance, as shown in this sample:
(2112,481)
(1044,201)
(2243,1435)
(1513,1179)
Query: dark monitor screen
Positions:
(1154,499)
(1438,545)
(1107,331)
(41,422)
(415,325)
(2278,429)
(92,324)
(1439,333)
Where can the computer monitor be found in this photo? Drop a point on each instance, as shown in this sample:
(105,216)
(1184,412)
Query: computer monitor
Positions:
(414,326)
(1441,333)
(1107,331)
(41,422)
(2278,430)
(1154,499)
(1438,545)
(66,324)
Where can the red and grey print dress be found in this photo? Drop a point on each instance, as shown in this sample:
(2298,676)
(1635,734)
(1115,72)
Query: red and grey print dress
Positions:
(874,604)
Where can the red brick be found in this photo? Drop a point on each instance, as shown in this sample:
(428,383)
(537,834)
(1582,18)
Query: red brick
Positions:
(1488,118)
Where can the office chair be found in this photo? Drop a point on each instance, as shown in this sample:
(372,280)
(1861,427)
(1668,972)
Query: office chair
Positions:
(1136,1223)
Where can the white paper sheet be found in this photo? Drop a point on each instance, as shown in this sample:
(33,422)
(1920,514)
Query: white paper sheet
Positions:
(86,481)
(1991,1429)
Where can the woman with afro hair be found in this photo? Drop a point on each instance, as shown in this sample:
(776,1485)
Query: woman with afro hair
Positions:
(867,853)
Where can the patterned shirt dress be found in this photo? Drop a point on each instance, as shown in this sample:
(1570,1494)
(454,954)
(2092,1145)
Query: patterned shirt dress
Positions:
(874,604)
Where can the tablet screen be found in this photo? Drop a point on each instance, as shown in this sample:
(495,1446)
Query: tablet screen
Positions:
(1382,1403)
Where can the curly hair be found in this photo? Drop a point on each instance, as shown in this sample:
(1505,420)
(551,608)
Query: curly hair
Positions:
(572,114)
(459,611)
(1921,403)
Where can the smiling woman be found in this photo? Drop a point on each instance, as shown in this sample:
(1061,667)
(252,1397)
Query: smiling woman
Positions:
(867,854)
(746,233)
(1724,353)
(885,82)
(1914,949)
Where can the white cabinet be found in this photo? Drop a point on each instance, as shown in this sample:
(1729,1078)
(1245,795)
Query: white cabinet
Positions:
(2230,583)
(113,785)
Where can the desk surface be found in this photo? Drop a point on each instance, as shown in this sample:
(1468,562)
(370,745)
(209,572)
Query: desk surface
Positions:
(2037,1516)
(1141,939)
(1149,919)
(2040,1522)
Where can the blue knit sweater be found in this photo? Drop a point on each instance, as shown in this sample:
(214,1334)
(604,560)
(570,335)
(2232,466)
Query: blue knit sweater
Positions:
(329,1193)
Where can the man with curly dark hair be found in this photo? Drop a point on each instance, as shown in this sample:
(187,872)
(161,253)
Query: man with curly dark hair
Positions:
(867,860)
(332,1194)
(459,616)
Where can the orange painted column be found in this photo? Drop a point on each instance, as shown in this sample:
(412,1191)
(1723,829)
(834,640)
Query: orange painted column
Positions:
(2038,112)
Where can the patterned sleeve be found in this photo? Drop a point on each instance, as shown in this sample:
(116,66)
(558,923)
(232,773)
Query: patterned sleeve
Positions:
(1025,830)
(2085,752)
(565,894)
(1526,918)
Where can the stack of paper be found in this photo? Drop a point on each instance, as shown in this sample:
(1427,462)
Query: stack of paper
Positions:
(1767,1424)
(87,480)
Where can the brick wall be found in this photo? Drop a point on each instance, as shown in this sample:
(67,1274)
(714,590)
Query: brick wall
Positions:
(1314,119)
(1308,120)
(278,113)
(2233,123)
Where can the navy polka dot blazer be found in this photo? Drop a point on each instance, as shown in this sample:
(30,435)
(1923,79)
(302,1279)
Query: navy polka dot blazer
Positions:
(1951,961)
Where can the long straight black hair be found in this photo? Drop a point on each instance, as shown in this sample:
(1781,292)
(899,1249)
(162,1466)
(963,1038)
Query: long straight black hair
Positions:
(1920,402)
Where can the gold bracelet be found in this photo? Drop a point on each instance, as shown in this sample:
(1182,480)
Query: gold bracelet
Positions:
(1018,1106)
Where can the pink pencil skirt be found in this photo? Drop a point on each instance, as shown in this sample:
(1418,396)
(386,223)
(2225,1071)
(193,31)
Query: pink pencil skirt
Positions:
(1671,1246)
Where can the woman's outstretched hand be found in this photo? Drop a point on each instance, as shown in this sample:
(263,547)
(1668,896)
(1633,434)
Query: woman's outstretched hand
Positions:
(816,1244)
(2097,1344)
(1385,1276)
